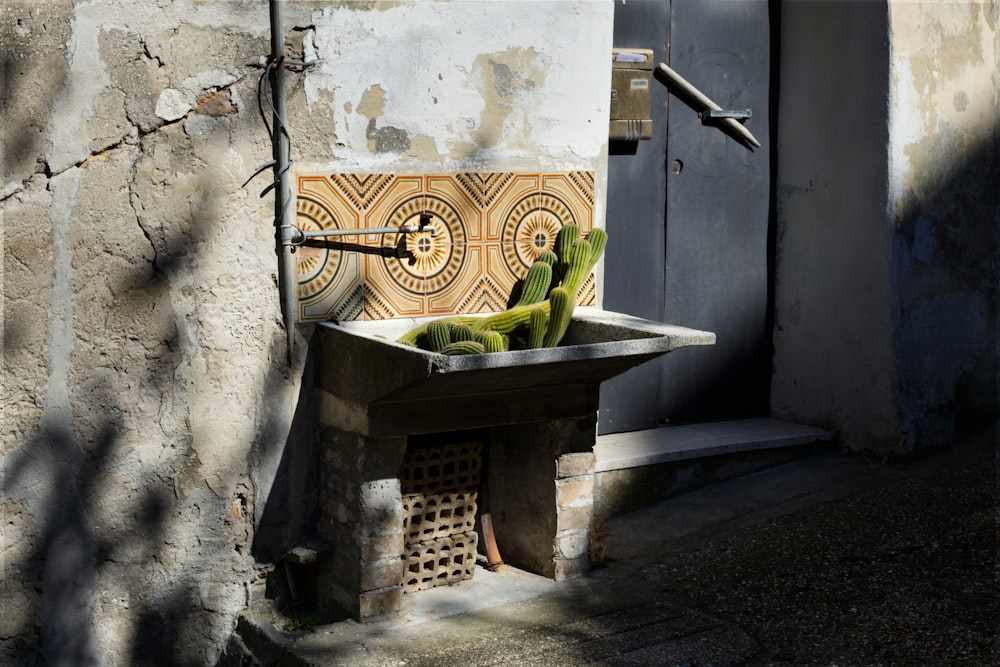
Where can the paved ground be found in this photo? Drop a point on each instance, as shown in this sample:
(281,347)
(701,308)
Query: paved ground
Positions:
(833,560)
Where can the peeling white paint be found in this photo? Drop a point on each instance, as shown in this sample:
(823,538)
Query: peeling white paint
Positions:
(429,57)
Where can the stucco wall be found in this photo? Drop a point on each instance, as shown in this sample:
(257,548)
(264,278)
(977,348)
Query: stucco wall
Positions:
(833,362)
(886,271)
(142,350)
(945,213)
(148,406)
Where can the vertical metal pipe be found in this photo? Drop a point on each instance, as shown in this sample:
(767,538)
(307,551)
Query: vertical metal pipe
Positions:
(281,152)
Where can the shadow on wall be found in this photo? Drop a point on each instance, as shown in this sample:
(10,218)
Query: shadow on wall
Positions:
(290,512)
(22,132)
(126,551)
(946,272)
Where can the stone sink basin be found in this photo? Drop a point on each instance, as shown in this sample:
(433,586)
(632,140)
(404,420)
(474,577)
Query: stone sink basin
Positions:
(533,413)
(382,388)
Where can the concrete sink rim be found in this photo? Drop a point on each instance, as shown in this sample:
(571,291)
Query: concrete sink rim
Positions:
(593,334)
(381,387)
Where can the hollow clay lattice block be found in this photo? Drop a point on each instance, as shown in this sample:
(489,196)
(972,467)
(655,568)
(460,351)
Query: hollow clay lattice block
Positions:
(439,562)
(448,467)
(432,516)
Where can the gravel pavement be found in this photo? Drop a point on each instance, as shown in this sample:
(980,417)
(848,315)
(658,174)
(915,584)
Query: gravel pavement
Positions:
(832,560)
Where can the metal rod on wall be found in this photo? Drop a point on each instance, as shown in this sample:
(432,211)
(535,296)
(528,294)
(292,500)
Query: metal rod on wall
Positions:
(281,152)
(703,99)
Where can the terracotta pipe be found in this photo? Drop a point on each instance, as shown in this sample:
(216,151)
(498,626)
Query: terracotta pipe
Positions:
(494,563)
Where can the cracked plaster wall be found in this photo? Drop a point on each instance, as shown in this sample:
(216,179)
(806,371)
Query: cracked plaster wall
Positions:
(450,86)
(144,379)
(147,402)
(945,214)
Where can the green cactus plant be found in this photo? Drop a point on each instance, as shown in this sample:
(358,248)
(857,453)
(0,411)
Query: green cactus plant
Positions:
(510,320)
(560,312)
(535,321)
(536,328)
(568,235)
(536,283)
(417,337)
(438,335)
(492,341)
(463,347)
(548,257)
(598,240)
(579,266)
(460,332)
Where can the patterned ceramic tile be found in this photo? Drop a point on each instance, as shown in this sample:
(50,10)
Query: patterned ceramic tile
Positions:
(485,231)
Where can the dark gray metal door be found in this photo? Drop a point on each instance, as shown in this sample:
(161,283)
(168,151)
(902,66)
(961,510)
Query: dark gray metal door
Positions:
(688,217)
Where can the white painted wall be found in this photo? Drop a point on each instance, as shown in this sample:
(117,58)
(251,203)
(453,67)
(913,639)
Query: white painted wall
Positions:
(479,86)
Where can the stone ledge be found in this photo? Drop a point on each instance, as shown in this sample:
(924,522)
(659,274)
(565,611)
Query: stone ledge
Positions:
(666,444)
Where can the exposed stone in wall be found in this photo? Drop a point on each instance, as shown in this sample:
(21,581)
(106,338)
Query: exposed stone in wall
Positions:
(144,372)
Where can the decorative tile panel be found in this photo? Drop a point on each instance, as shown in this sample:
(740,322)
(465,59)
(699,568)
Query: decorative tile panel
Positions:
(487,230)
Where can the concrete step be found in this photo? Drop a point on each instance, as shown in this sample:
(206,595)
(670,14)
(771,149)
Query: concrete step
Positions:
(643,467)
(665,444)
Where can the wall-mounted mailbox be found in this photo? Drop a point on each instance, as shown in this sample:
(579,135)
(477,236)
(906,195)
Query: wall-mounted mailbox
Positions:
(631,74)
